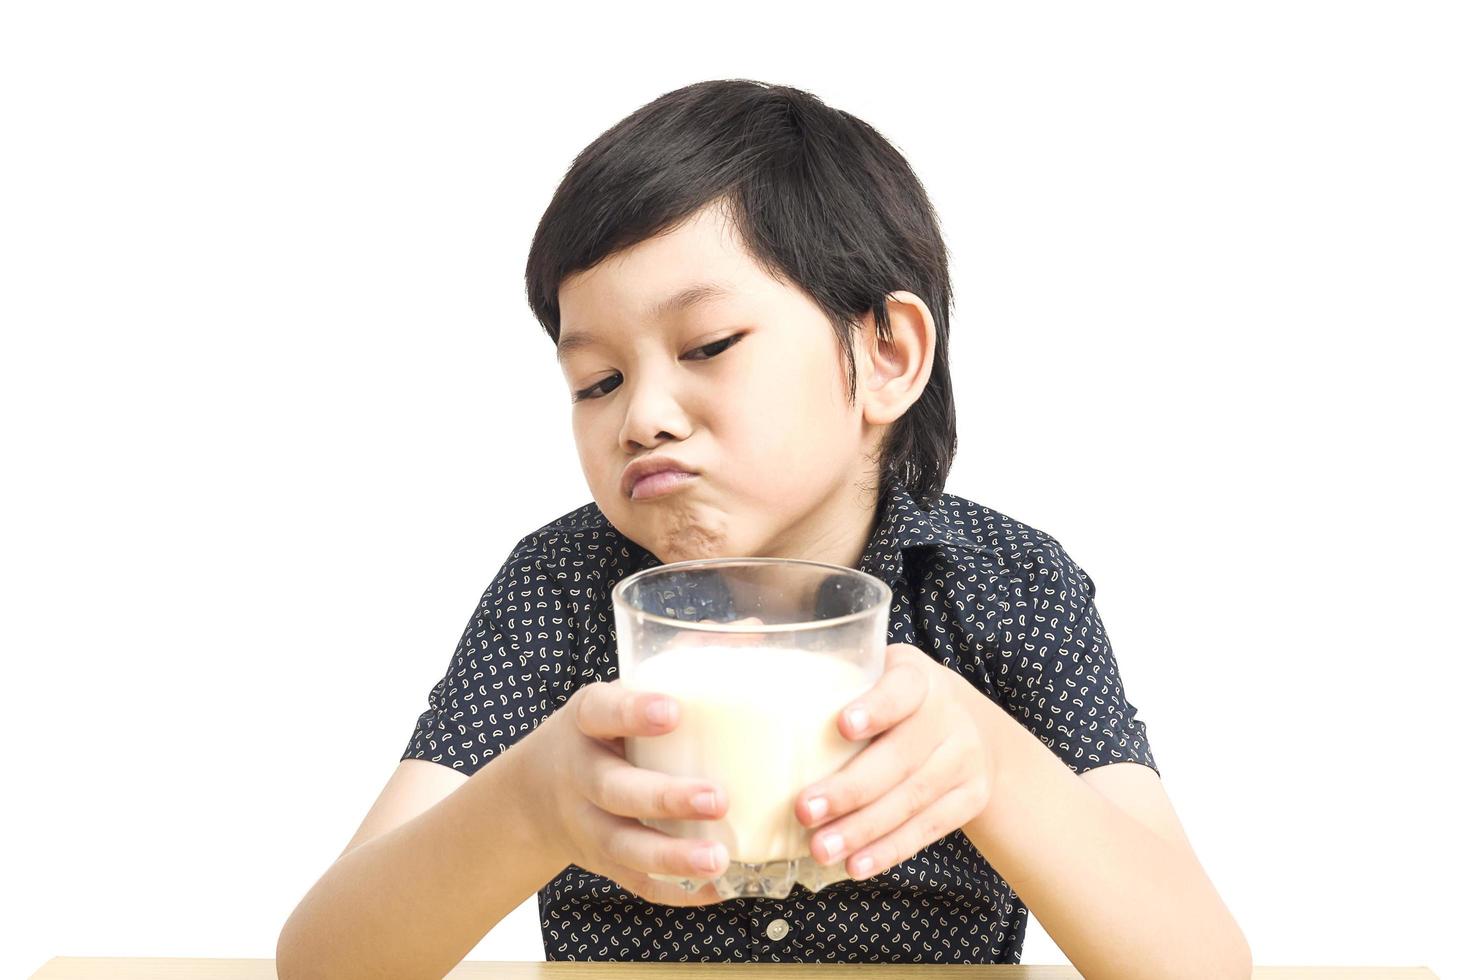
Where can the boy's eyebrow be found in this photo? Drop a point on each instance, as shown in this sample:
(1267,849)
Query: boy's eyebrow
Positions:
(686,297)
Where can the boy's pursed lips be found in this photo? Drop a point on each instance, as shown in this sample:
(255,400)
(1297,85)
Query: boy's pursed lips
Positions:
(645,466)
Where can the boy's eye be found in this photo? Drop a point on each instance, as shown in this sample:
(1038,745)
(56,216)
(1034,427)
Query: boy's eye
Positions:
(710,350)
(719,346)
(591,392)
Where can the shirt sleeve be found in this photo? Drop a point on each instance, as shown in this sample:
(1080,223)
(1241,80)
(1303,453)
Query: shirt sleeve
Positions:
(1058,676)
(506,674)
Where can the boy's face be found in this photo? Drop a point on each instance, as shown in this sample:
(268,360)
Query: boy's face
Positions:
(763,422)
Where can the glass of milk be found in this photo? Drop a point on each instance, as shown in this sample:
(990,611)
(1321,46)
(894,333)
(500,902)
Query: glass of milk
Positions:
(762,655)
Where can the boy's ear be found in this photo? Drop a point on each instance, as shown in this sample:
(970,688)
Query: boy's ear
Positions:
(894,372)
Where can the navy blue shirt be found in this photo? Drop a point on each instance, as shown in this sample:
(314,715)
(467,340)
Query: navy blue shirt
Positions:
(997,601)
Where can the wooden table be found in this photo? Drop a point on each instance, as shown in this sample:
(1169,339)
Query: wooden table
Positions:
(148,968)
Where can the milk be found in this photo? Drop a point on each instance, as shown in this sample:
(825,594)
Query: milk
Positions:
(759,721)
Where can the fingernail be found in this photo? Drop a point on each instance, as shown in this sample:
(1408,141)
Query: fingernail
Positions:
(832,844)
(863,865)
(708,858)
(705,802)
(660,712)
(817,807)
(857,720)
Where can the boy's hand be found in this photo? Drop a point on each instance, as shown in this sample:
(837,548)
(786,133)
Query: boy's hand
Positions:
(596,797)
(927,772)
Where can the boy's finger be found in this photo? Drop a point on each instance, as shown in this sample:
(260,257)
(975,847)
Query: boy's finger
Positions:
(659,892)
(611,711)
(870,821)
(628,791)
(897,694)
(883,764)
(705,894)
(650,850)
(947,814)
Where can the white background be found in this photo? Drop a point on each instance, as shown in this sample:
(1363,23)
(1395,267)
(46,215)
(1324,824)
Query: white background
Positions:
(275,410)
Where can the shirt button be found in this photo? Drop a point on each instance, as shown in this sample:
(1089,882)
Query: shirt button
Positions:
(777,930)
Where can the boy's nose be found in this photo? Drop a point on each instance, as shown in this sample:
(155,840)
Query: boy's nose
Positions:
(654,416)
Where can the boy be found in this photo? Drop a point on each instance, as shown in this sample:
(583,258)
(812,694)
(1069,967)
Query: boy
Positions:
(750,299)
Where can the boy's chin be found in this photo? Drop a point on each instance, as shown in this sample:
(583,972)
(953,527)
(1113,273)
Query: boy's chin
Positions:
(678,535)
(668,552)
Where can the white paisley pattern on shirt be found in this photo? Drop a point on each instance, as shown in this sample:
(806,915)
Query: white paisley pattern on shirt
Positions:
(985,595)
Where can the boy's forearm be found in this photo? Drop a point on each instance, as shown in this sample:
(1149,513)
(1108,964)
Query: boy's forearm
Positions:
(414,901)
(1118,899)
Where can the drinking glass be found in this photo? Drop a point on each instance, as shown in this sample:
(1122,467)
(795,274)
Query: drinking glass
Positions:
(762,655)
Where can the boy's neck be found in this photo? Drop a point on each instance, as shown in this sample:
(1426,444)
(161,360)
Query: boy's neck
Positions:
(838,536)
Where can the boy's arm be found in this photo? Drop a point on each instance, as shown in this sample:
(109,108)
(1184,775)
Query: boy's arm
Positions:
(1121,895)
(413,901)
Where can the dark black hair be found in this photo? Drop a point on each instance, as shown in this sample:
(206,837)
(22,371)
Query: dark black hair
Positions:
(821,200)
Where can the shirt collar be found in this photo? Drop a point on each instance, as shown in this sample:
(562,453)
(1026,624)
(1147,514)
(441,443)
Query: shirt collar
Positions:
(903,526)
